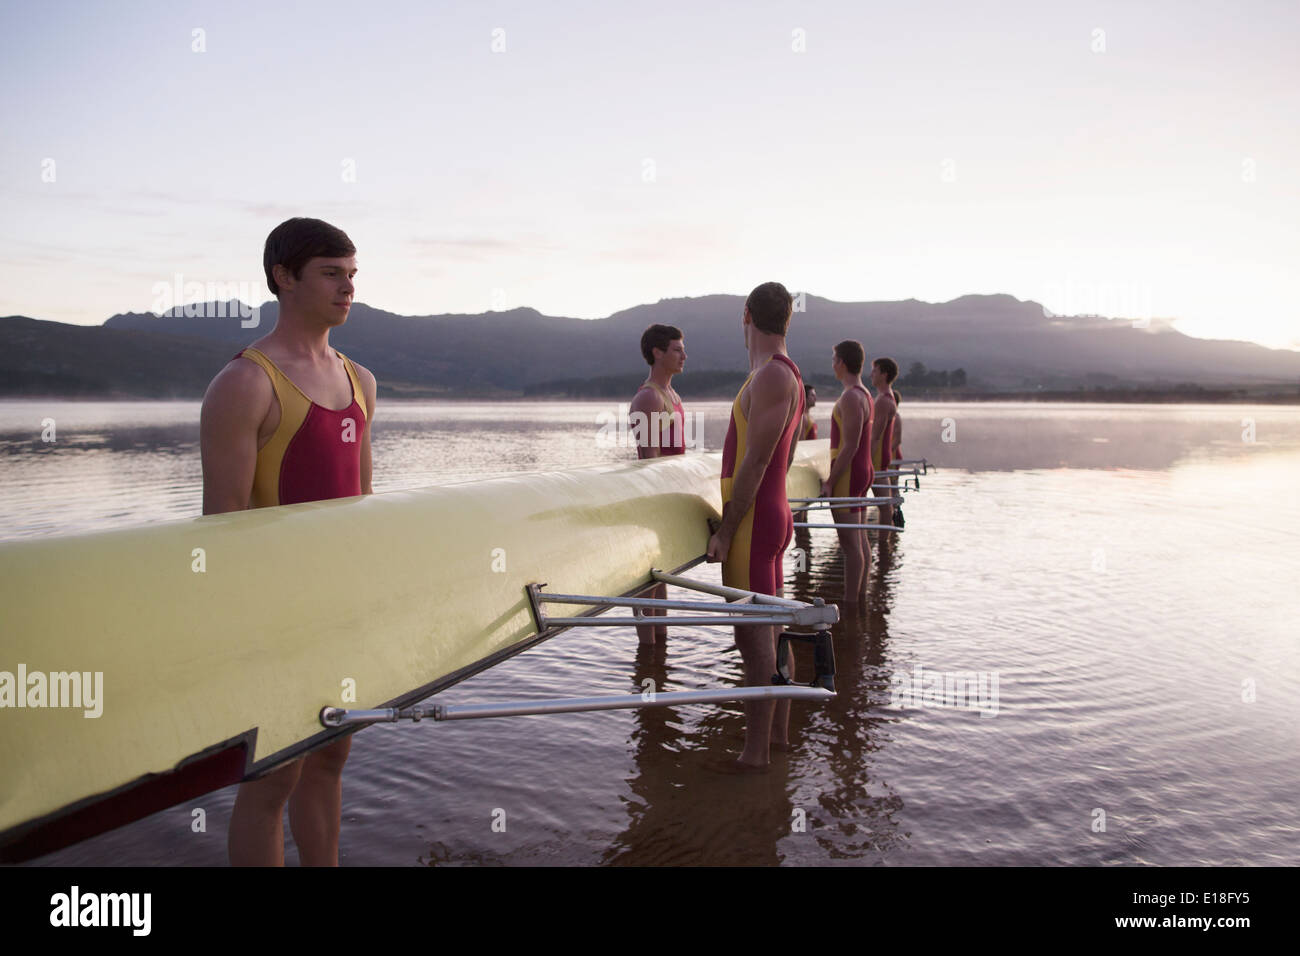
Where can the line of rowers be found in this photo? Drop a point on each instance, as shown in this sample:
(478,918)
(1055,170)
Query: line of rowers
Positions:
(768,417)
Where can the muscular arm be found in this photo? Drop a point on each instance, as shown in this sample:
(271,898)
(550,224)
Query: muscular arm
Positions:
(369,388)
(898,436)
(647,402)
(769,411)
(234,407)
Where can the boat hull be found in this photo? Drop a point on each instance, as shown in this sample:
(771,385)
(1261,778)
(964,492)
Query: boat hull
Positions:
(219,639)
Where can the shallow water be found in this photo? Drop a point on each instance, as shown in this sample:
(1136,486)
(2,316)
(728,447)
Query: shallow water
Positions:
(1127,573)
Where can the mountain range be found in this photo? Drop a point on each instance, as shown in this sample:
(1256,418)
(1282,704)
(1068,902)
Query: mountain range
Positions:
(1001,343)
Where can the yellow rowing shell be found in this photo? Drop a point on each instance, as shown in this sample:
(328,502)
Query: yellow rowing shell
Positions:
(219,639)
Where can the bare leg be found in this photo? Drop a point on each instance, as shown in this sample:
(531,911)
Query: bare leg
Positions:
(661,630)
(851,545)
(887,511)
(647,633)
(887,515)
(781,712)
(316,805)
(256,836)
(781,715)
(757,645)
(864,543)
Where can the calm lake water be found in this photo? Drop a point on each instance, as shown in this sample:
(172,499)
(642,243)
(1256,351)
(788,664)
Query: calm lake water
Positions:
(1128,574)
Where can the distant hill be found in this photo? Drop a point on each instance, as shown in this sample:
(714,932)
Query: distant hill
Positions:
(51,358)
(1000,343)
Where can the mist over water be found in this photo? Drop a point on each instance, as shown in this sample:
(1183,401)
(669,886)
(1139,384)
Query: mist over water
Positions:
(1128,573)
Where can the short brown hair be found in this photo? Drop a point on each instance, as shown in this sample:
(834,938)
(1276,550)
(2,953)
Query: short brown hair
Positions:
(889,367)
(852,354)
(769,306)
(658,337)
(296,241)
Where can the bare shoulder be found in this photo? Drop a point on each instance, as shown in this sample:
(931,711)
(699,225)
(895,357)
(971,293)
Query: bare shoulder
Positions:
(367,377)
(775,377)
(646,400)
(237,402)
(241,384)
(775,384)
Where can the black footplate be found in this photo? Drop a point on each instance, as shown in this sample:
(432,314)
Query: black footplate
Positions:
(823,660)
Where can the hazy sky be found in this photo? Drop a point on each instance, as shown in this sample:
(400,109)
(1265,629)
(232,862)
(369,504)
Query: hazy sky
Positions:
(1123,158)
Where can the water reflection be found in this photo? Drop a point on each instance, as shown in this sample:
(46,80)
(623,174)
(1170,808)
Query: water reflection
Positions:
(143,449)
(1120,596)
(680,812)
(999,437)
(855,806)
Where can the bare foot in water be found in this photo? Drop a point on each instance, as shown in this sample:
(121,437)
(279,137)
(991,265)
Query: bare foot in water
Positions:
(733,767)
(776,746)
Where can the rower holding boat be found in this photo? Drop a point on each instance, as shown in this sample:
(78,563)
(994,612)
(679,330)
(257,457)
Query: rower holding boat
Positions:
(851,473)
(896,453)
(657,418)
(288,420)
(756,522)
(883,373)
(658,423)
(809,430)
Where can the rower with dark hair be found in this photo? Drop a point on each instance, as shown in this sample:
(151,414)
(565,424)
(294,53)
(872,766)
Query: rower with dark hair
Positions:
(851,474)
(658,426)
(883,373)
(288,420)
(756,521)
(896,453)
(658,420)
(809,430)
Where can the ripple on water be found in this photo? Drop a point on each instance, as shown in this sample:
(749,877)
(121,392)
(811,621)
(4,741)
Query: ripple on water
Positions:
(1143,640)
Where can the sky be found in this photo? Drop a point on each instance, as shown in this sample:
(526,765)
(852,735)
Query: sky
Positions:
(1130,160)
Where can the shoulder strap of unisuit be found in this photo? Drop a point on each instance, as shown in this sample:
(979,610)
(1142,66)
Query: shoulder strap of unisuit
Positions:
(294,406)
(272,370)
(664,397)
(357,391)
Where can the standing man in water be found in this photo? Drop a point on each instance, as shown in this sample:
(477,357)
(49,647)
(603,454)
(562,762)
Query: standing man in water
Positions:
(883,373)
(896,452)
(288,420)
(658,422)
(756,522)
(809,430)
(656,403)
(851,473)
